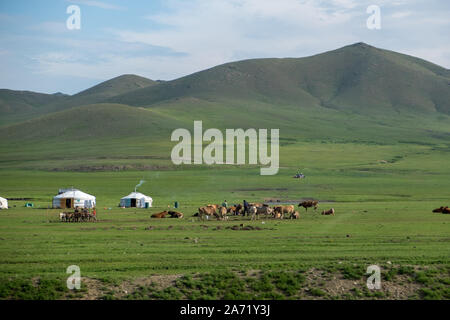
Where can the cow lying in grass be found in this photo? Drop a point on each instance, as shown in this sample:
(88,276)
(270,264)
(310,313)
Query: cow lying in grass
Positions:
(308,204)
(442,210)
(295,215)
(160,215)
(328,212)
(175,214)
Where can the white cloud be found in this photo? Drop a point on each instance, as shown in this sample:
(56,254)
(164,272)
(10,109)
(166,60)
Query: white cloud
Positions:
(213,32)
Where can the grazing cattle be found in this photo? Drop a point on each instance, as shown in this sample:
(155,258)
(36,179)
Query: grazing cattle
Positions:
(235,210)
(278,215)
(253,212)
(265,210)
(446,210)
(207,211)
(284,209)
(256,204)
(223,213)
(295,215)
(308,204)
(328,212)
(160,215)
(176,214)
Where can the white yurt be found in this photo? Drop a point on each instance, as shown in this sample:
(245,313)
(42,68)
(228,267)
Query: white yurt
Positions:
(136,200)
(3,203)
(73,198)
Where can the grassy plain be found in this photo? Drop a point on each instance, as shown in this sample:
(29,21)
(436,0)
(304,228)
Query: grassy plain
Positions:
(383,196)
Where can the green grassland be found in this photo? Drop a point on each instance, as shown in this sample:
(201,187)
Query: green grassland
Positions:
(383,213)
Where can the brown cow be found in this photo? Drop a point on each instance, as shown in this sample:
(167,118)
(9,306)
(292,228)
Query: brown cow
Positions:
(223,213)
(328,212)
(207,211)
(284,209)
(295,215)
(308,204)
(256,204)
(159,215)
(215,206)
(442,210)
(176,214)
(278,215)
(235,210)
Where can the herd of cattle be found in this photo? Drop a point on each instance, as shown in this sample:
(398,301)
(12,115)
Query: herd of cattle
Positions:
(254,210)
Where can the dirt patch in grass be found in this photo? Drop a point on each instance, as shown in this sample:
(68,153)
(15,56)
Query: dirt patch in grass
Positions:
(94,289)
(337,286)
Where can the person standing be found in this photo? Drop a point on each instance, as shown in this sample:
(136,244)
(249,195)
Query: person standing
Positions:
(225,204)
(245,208)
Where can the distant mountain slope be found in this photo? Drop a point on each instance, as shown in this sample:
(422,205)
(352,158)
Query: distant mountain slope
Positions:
(116,86)
(357,92)
(358,78)
(12,101)
(91,123)
(18,105)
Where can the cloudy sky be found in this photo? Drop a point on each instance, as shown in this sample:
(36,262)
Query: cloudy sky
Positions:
(167,39)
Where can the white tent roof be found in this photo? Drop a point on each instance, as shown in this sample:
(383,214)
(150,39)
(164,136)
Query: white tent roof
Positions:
(76,194)
(137,195)
(3,203)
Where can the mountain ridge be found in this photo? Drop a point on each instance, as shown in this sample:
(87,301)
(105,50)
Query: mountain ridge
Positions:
(351,76)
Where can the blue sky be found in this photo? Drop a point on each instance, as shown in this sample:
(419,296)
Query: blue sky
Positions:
(167,39)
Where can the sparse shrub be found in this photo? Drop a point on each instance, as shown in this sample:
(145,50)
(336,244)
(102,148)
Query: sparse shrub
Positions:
(317,292)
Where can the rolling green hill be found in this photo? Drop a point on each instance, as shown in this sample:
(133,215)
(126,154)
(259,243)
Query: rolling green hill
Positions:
(357,78)
(356,94)
(16,103)
(17,106)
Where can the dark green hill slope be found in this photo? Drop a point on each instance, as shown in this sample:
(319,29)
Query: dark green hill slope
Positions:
(354,94)
(110,88)
(358,78)
(12,101)
(90,123)
(16,106)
